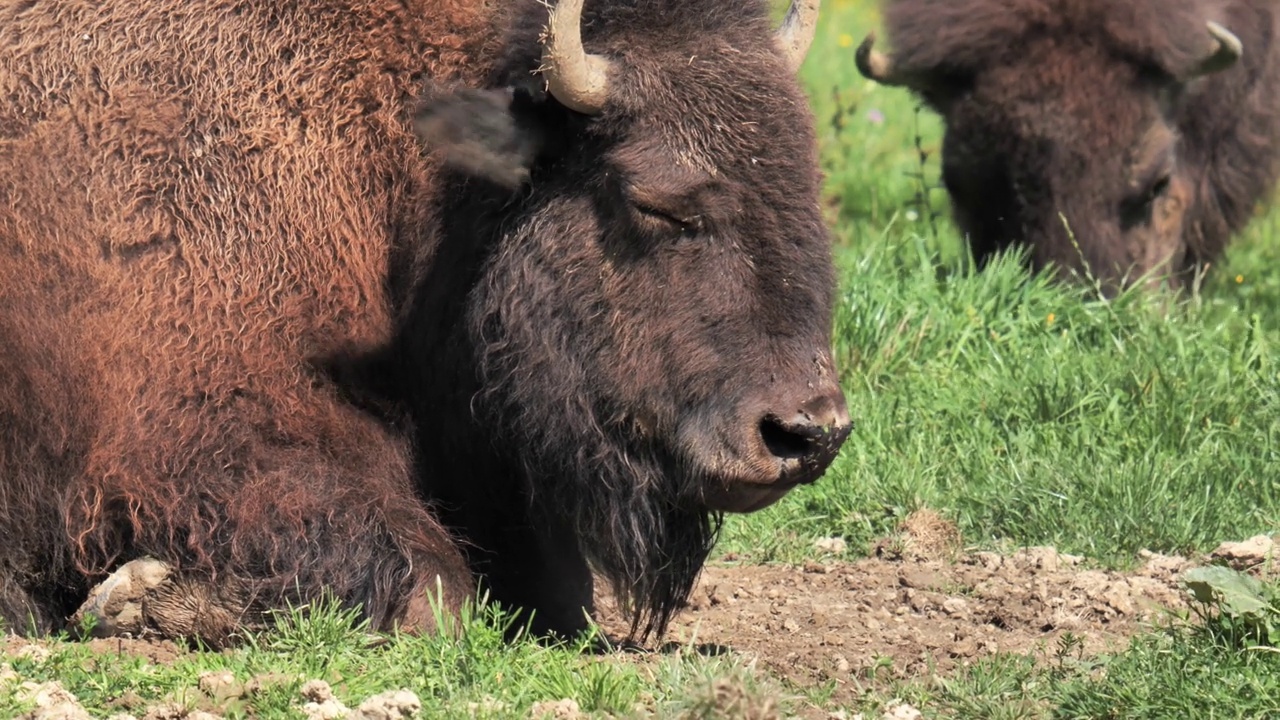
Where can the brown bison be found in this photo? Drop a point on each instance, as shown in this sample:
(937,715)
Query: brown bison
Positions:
(252,331)
(1123,138)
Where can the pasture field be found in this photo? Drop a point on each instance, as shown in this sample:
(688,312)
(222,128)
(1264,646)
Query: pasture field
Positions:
(994,412)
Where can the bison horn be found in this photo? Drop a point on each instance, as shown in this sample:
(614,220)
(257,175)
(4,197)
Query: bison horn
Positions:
(796,34)
(1226,51)
(580,81)
(875,65)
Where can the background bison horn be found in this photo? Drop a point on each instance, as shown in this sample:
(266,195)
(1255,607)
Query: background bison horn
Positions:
(875,65)
(578,80)
(1226,51)
(796,34)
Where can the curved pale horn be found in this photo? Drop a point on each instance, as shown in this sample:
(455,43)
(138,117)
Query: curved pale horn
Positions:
(1226,51)
(578,80)
(875,65)
(796,34)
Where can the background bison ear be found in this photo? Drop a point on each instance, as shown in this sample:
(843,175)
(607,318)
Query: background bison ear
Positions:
(492,134)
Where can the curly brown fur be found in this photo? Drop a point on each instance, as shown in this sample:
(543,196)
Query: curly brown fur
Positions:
(259,335)
(198,205)
(1085,113)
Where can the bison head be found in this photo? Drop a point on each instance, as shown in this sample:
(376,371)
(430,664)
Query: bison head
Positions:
(1063,122)
(649,309)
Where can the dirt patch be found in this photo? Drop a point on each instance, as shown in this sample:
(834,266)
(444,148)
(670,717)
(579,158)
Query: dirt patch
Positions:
(904,615)
(154,650)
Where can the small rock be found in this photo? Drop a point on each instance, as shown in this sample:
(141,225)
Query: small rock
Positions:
(220,685)
(920,579)
(1042,558)
(790,625)
(830,545)
(34,653)
(955,606)
(964,648)
(566,709)
(989,560)
(1119,599)
(166,711)
(842,664)
(316,690)
(1162,566)
(51,700)
(331,709)
(390,705)
(816,568)
(898,710)
(1240,555)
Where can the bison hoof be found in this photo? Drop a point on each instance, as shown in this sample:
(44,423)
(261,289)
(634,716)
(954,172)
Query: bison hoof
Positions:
(117,605)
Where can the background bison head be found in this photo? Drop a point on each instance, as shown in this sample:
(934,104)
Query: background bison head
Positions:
(1064,122)
(645,337)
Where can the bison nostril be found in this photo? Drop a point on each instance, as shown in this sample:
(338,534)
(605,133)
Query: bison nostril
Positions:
(789,440)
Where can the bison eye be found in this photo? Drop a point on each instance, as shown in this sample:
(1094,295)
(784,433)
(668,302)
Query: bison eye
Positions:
(1157,188)
(1137,209)
(687,228)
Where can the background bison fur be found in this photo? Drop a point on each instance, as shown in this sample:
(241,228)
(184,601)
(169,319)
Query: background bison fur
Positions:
(1123,140)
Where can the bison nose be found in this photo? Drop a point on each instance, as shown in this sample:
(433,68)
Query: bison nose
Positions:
(807,440)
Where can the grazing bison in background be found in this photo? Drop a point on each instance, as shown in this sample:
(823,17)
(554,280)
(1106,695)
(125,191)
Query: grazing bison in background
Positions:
(1148,128)
(253,332)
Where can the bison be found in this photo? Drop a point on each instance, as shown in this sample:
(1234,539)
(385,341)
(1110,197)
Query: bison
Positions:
(1124,141)
(260,346)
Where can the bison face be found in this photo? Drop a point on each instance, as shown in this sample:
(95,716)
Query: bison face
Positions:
(662,284)
(1070,145)
(1031,156)
(651,319)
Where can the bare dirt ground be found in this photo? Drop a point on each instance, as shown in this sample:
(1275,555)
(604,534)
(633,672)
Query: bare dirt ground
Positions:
(920,606)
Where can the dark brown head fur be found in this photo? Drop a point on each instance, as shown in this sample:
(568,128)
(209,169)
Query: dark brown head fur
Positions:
(1086,122)
(643,319)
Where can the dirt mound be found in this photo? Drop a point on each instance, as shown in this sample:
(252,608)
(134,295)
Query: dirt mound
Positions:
(909,617)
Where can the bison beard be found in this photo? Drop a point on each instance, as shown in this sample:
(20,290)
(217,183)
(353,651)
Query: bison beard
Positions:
(635,509)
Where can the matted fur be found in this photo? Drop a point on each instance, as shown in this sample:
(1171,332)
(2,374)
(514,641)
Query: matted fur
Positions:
(1059,111)
(252,331)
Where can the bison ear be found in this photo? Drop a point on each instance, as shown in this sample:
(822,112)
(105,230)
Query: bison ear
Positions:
(492,134)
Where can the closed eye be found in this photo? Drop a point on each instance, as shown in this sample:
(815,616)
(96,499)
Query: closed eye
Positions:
(1137,209)
(687,227)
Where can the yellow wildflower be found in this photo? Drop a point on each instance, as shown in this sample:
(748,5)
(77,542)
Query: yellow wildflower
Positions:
(1239,279)
(846,40)
(1049,320)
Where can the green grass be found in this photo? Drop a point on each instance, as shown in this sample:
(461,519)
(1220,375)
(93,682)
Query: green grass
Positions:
(1030,413)
(480,675)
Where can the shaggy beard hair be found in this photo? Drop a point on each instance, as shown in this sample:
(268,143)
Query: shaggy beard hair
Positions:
(636,510)
(638,530)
